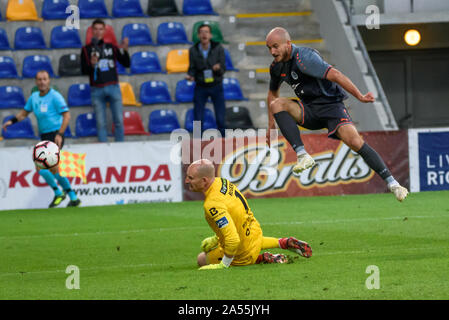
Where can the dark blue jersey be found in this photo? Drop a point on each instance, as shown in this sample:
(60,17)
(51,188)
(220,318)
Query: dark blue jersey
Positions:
(306,73)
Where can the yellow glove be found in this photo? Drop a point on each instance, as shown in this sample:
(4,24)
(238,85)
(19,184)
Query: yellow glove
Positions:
(214,266)
(209,244)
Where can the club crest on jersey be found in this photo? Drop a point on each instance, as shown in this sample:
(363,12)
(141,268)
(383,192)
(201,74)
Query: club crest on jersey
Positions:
(294,75)
(222,222)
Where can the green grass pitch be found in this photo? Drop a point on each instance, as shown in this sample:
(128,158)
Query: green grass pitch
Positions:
(148,251)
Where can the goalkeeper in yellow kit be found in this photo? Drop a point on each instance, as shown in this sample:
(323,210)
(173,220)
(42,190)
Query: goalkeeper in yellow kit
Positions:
(238,236)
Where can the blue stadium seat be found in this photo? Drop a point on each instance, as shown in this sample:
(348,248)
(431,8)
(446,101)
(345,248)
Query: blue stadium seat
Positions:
(68,133)
(8,68)
(55,9)
(79,95)
(120,68)
(92,9)
(163,121)
(11,97)
(138,34)
(63,37)
(33,64)
(19,130)
(171,33)
(232,90)
(145,62)
(197,7)
(29,38)
(127,8)
(208,123)
(152,92)
(228,61)
(184,91)
(86,125)
(4,43)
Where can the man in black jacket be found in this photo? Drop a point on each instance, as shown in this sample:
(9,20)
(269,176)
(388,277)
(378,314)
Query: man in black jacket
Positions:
(99,61)
(207,66)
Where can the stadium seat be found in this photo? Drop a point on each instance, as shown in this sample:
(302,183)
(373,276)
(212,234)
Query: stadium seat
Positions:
(128,96)
(208,123)
(177,60)
(4,43)
(11,97)
(197,7)
(238,118)
(120,68)
(92,9)
(127,8)
(68,133)
(152,92)
(145,62)
(86,125)
(171,33)
(79,95)
(217,35)
(19,130)
(63,37)
(232,90)
(8,68)
(21,10)
(163,121)
(69,65)
(29,38)
(162,8)
(184,91)
(228,61)
(132,124)
(55,9)
(109,35)
(138,34)
(33,64)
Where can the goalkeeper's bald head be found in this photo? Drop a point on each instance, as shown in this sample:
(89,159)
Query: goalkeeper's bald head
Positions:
(200,175)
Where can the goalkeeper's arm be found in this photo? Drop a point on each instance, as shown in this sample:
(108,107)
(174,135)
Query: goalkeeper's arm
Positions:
(224,264)
(209,244)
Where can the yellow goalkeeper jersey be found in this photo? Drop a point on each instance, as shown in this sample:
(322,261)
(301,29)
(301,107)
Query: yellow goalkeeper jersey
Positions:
(227,212)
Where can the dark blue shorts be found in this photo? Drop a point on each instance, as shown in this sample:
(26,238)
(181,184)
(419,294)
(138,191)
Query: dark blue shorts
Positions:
(319,116)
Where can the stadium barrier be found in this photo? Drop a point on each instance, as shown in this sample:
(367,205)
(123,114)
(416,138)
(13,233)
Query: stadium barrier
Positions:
(261,172)
(116,173)
(429,159)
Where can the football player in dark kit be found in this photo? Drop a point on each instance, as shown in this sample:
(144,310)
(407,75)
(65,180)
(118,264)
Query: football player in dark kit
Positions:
(321,90)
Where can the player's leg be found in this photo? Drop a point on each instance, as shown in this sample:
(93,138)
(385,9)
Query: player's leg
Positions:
(288,114)
(50,180)
(300,247)
(349,135)
(65,184)
(218,101)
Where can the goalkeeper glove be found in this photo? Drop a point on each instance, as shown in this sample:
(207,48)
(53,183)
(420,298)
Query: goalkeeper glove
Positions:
(214,266)
(209,244)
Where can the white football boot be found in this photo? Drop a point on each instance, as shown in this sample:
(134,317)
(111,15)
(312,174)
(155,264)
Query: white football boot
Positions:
(399,191)
(305,161)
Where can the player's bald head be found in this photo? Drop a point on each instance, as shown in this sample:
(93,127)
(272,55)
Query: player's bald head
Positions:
(203,168)
(278,34)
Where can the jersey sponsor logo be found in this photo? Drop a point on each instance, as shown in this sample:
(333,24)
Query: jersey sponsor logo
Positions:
(294,75)
(222,222)
(224,186)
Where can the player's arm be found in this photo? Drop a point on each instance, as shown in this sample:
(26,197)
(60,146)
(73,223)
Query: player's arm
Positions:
(19,117)
(338,77)
(226,231)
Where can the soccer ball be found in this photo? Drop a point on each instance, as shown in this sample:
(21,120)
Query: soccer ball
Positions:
(46,154)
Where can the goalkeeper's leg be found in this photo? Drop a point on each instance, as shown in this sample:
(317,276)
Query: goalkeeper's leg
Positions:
(300,247)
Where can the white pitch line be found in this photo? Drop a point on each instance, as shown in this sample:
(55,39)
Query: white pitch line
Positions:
(149,265)
(56,235)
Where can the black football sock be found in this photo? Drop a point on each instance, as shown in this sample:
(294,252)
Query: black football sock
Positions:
(289,130)
(376,163)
